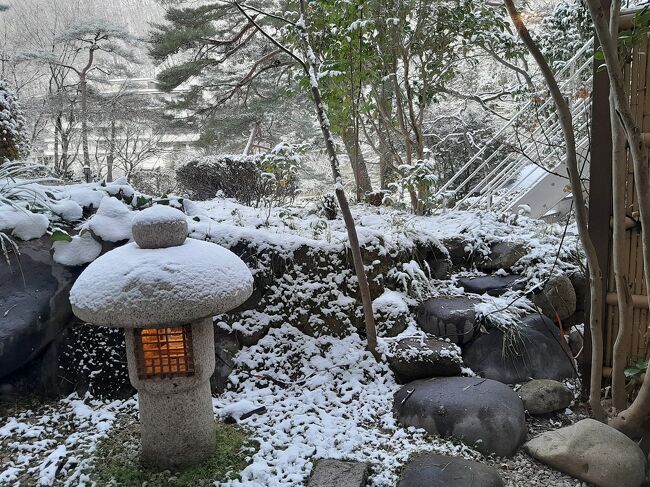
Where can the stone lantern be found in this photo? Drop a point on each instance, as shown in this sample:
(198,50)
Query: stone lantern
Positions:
(164,289)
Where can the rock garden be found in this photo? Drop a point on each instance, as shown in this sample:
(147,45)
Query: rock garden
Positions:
(477,377)
(324,243)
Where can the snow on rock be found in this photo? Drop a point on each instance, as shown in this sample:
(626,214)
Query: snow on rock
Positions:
(69,210)
(391,303)
(85,196)
(329,399)
(190,281)
(113,221)
(23,224)
(79,251)
(158,214)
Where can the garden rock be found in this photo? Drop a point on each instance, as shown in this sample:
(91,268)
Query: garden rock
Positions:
(503,255)
(542,396)
(536,351)
(338,473)
(457,247)
(492,285)
(592,452)
(442,471)
(450,317)
(483,413)
(419,358)
(34,307)
(576,341)
(580,284)
(558,298)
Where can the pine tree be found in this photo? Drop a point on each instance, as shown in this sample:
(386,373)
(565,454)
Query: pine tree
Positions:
(13,138)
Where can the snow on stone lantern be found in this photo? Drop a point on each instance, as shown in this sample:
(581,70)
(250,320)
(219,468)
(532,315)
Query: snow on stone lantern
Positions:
(163,289)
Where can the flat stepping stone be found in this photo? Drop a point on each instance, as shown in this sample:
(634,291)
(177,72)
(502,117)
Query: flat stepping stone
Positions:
(420,358)
(442,471)
(543,396)
(485,414)
(451,317)
(536,351)
(338,473)
(592,452)
(492,285)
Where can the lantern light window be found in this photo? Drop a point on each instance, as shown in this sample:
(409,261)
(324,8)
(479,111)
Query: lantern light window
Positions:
(164,352)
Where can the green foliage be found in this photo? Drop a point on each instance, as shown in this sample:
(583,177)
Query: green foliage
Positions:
(59,235)
(233,78)
(13,132)
(281,166)
(187,28)
(117,460)
(174,76)
(627,39)
(420,179)
(634,372)
(565,31)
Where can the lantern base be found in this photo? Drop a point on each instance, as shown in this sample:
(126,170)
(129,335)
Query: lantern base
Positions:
(178,430)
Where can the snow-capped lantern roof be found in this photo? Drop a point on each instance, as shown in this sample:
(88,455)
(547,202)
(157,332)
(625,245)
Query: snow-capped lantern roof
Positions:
(162,278)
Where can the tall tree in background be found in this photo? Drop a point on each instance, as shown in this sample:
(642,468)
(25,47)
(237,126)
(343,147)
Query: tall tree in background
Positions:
(91,38)
(13,138)
(238,89)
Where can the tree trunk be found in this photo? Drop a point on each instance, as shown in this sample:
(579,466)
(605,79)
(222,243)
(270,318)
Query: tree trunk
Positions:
(620,260)
(83,86)
(596,279)
(251,139)
(360,271)
(57,135)
(110,159)
(386,166)
(358,163)
(634,419)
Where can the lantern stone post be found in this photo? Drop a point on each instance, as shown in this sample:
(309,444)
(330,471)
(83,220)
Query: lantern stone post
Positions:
(163,289)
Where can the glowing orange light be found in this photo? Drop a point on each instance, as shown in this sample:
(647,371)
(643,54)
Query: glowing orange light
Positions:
(164,352)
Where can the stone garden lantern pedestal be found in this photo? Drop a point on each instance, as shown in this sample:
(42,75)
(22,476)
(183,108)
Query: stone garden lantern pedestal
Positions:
(163,290)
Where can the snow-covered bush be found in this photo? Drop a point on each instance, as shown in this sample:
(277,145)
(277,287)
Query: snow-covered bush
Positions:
(565,31)
(155,182)
(418,181)
(280,172)
(13,138)
(251,180)
(21,206)
(233,176)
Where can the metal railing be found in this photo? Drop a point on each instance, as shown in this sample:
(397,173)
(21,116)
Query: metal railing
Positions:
(502,165)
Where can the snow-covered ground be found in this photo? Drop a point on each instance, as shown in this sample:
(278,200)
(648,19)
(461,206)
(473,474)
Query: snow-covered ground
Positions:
(327,397)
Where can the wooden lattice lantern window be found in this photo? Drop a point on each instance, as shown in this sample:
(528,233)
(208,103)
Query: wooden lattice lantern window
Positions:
(164,289)
(164,352)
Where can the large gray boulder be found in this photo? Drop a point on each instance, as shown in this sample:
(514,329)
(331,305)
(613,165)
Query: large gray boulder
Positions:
(414,358)
(338,473)
(592,452)
(557,299)
(34,306)
(492,285)
(483,413)
(503,255)
(450,317)
(535,351)
(542,396)
(442,471)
